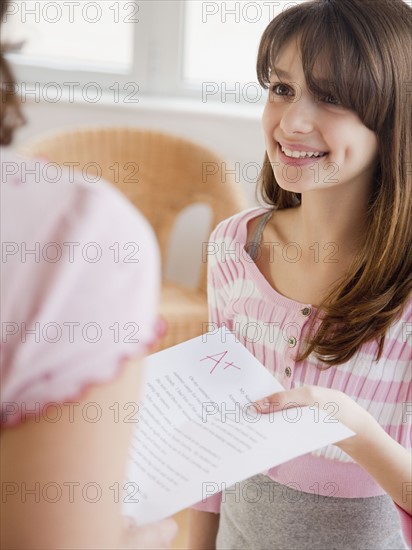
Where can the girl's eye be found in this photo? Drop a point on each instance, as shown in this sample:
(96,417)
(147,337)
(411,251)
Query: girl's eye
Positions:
(280,89)
(332,100)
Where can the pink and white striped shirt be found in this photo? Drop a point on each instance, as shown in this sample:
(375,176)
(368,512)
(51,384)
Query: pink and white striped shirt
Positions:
(271,326)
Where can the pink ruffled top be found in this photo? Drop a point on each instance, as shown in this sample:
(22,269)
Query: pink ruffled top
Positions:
(79,285)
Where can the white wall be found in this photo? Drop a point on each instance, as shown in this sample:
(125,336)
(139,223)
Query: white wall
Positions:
(232,130)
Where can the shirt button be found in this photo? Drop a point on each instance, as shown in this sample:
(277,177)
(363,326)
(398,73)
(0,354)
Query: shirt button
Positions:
(306,311)
(288,372)
(292,342)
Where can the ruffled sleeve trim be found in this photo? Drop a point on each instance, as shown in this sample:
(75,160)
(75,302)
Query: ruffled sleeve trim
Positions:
(12,413)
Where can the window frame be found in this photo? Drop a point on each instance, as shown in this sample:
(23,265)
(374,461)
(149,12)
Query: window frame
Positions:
(157,69)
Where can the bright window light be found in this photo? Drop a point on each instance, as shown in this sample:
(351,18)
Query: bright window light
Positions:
(74,33)
(221,39)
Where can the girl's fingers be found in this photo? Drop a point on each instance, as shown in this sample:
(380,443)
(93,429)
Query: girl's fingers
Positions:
(292,398)
(156,536)
(169,529)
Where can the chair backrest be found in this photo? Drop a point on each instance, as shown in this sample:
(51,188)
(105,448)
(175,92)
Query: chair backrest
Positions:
(161,174)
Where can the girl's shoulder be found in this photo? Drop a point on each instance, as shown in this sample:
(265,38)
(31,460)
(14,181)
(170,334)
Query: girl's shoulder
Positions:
(70,257)
(235,228)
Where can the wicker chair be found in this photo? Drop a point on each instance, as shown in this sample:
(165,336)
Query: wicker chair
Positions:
(169,178)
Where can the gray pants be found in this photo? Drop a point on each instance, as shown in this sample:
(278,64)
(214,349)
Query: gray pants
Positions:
(260,514)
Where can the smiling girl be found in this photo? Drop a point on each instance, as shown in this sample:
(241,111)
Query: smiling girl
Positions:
(327,277)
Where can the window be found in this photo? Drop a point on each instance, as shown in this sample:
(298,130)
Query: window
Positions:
(221,39)
(68,33)
(220,46)
(164,48)
(72,43)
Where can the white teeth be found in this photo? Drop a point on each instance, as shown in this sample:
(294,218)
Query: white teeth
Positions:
(301,154)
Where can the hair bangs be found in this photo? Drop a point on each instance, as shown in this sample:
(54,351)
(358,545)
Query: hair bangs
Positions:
(337,57)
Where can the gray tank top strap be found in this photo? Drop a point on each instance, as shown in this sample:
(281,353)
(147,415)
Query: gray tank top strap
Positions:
(254,243)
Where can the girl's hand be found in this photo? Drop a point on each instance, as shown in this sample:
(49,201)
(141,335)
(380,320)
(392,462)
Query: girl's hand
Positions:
(337,403)
(156,536)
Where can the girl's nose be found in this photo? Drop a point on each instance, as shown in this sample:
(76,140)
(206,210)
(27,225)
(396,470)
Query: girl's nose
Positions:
(298,117)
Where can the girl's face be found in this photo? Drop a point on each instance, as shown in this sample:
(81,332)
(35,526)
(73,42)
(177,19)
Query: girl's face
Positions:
(313,143)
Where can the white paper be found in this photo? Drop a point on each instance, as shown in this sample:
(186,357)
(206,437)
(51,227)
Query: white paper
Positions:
(198,432)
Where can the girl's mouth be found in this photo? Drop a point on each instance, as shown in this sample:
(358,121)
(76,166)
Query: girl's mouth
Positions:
(299,157)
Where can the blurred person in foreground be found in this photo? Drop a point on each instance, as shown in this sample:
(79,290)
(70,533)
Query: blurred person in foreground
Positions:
(68,358)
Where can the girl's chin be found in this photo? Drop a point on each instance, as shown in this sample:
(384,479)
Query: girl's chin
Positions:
(297,185)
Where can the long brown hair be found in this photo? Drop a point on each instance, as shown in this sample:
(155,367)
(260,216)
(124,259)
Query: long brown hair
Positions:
(10,111)
(369,50)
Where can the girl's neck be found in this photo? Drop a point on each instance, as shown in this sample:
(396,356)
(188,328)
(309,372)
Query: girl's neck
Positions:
(334,215)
